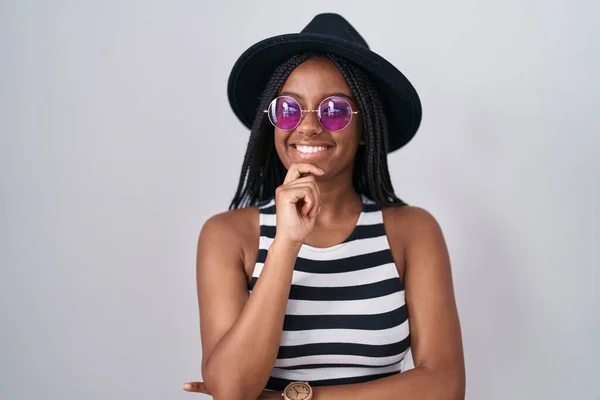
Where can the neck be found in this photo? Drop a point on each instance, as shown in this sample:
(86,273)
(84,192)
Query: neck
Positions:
(338,200)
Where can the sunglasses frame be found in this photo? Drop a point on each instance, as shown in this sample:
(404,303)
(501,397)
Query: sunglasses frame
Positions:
(303,112)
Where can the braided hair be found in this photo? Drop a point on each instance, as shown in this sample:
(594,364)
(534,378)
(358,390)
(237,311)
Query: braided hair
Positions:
(262,170)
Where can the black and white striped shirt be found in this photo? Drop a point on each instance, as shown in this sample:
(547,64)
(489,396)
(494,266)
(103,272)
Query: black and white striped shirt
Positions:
(346,319)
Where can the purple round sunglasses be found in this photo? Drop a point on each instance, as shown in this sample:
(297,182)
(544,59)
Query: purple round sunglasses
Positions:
(334,113)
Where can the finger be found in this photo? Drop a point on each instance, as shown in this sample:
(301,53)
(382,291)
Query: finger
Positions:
(312,182)
(299,194)
(308,200)
(196,387)
(311,209)
(309,181)
(297,170)
(302,182)
(307,210)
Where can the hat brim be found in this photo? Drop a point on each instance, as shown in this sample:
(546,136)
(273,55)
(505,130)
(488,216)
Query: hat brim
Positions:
(253,69)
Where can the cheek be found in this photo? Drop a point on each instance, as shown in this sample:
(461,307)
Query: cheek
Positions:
(352,136)
(279,139)
(348,142)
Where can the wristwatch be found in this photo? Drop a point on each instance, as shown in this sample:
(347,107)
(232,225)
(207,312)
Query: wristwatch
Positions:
(297,391)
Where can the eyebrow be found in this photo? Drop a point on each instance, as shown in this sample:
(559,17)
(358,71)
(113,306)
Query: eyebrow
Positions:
(294,94)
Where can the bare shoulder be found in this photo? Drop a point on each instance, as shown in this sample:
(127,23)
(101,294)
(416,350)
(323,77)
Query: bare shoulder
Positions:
(409,222)
(232,224)
(235,232)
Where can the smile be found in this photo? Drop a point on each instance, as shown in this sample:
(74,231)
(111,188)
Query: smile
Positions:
(311,149)
(313,153)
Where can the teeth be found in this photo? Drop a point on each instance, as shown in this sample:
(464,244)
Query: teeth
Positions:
(310,149)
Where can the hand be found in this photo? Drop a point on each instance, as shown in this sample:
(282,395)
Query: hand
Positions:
(298,201)
(196,387)
(200,387)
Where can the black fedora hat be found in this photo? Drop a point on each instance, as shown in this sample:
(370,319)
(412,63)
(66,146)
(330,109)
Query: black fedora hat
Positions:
(326,33)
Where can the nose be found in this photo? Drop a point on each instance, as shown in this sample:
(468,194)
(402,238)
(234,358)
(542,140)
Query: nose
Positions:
(309,125)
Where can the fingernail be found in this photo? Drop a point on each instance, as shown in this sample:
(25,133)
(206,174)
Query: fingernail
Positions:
(187,386)
(321,170)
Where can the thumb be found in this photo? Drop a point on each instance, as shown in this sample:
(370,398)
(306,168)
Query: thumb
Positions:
(197,387)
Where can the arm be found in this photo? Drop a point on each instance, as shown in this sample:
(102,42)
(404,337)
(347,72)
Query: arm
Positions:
(240,335)
(436,342)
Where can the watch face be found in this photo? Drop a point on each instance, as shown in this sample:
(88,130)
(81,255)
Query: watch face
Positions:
(297,391)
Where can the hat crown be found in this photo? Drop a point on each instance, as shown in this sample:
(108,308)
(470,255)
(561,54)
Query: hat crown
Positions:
(334,25)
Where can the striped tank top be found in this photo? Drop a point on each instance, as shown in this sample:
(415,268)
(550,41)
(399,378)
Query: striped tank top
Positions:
(346,319)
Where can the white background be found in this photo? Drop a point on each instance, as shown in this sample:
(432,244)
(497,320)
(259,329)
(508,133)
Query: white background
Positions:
(117,142)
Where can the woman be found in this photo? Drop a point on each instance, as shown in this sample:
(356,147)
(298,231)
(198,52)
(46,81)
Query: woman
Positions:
(319,279)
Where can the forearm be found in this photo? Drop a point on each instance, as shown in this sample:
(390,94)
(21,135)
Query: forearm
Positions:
(241,363)
(420,383)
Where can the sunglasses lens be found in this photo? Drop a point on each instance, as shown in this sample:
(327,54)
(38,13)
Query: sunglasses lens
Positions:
(284,113)
(336,113)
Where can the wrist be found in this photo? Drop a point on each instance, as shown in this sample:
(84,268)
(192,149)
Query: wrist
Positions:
(286,245)
(271,396)
(298,391)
